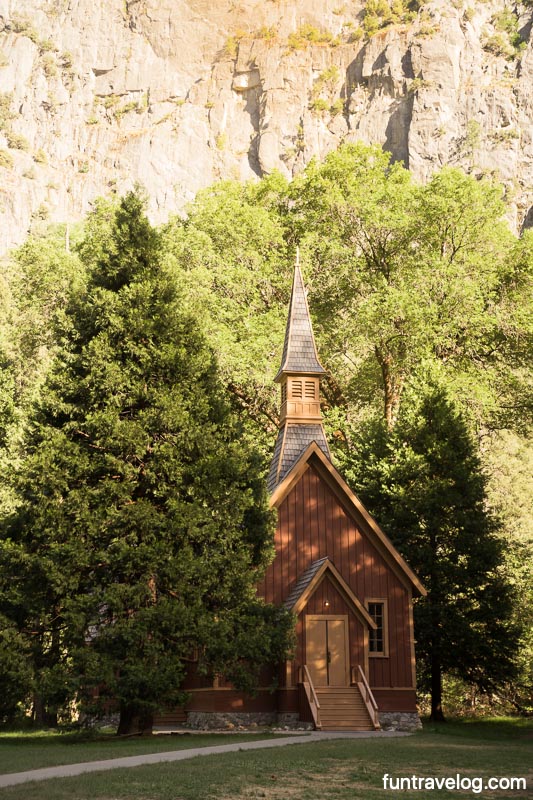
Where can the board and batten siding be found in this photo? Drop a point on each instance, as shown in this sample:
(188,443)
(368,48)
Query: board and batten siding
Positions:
(313,523)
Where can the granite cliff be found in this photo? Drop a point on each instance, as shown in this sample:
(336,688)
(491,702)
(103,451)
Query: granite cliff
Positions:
(98,94)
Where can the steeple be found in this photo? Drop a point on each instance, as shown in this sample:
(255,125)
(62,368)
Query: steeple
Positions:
(299,377)
(299,351)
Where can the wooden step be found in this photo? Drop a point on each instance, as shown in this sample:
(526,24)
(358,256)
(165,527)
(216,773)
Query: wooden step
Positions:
(347,728)
(342,709)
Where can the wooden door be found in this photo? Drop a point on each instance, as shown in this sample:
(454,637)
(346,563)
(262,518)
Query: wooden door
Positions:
(326,650)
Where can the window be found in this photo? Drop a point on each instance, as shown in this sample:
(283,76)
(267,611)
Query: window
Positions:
(283,392)
(377,640)
(297,389)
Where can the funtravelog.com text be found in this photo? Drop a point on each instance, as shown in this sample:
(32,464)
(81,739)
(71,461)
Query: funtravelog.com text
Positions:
(453,783)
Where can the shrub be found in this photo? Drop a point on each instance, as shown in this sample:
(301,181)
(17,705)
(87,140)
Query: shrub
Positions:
(268,34)
(319,105)
(356,35)
(499,45)
(6,115)
(42,213)
(22,24)
(40,156)
(6,159)
(380,13)
(417,84)
(16,141)
(504,135)
(49,65)
(46,46)
(309,34)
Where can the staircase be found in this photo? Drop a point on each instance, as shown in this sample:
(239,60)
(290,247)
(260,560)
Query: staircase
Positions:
(342,709)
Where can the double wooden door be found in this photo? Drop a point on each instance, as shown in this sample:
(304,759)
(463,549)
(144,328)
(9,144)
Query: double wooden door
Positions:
(327,649)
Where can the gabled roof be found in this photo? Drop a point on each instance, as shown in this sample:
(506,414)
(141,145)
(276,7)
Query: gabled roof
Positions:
(299,351)
(293,440)
(313,454)
(312,577)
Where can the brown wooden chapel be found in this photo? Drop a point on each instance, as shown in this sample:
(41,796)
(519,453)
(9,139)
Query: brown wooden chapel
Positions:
(350,589)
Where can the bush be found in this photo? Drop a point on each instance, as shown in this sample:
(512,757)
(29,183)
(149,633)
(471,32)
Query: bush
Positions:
(6,159)
(16,141)
(6,114)
(23,25)
(40,156)
(499,45)
(309,34)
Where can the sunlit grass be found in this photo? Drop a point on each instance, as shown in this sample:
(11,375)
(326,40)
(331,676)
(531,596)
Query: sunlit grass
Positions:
(348,769)
(21,751)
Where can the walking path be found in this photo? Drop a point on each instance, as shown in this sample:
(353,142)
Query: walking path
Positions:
(68,770)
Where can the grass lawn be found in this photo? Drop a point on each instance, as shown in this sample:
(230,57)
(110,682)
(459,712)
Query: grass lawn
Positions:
(341,770)
(22,751)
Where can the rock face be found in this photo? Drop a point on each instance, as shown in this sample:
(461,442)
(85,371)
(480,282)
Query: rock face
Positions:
(176,94)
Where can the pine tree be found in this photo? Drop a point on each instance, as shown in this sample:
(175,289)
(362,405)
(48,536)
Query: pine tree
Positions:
(423,482)
(143,520)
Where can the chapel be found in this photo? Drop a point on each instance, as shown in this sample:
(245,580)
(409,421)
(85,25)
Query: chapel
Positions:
(349,588)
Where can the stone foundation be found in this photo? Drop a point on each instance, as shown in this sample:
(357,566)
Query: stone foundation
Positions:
(210,720)
(399,721)
(292,722)
(227,720)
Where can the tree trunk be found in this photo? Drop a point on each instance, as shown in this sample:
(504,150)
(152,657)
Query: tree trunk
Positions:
(392,386)
(436,687)
(38,710)
(128,721)
(40,716)
(131,722)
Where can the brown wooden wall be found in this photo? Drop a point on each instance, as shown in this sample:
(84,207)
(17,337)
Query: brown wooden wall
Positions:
(326,591)
(313,524)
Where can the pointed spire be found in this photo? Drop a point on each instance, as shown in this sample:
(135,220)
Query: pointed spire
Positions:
(299,352)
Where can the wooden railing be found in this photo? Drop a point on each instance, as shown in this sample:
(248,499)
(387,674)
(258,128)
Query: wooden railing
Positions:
(368,697)
(312,699)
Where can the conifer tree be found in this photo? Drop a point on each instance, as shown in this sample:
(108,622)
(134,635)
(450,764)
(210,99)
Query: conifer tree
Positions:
(143,520)
(423,482)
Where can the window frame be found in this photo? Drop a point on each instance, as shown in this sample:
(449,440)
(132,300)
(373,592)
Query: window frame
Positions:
(384,602)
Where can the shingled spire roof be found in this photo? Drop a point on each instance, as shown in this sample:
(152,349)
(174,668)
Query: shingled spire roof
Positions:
(299,352)
(299,374)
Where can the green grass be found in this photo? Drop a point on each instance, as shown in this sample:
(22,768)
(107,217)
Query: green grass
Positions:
(33,750)
(340,770)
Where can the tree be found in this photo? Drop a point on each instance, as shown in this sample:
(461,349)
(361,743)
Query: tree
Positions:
(415,276)
(39,278)
(143,523)
(15,671)
(230,256)
(424,483)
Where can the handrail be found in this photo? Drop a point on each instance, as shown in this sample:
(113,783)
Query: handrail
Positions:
(368,698)
(311,695)
(310,682)
(367,687)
